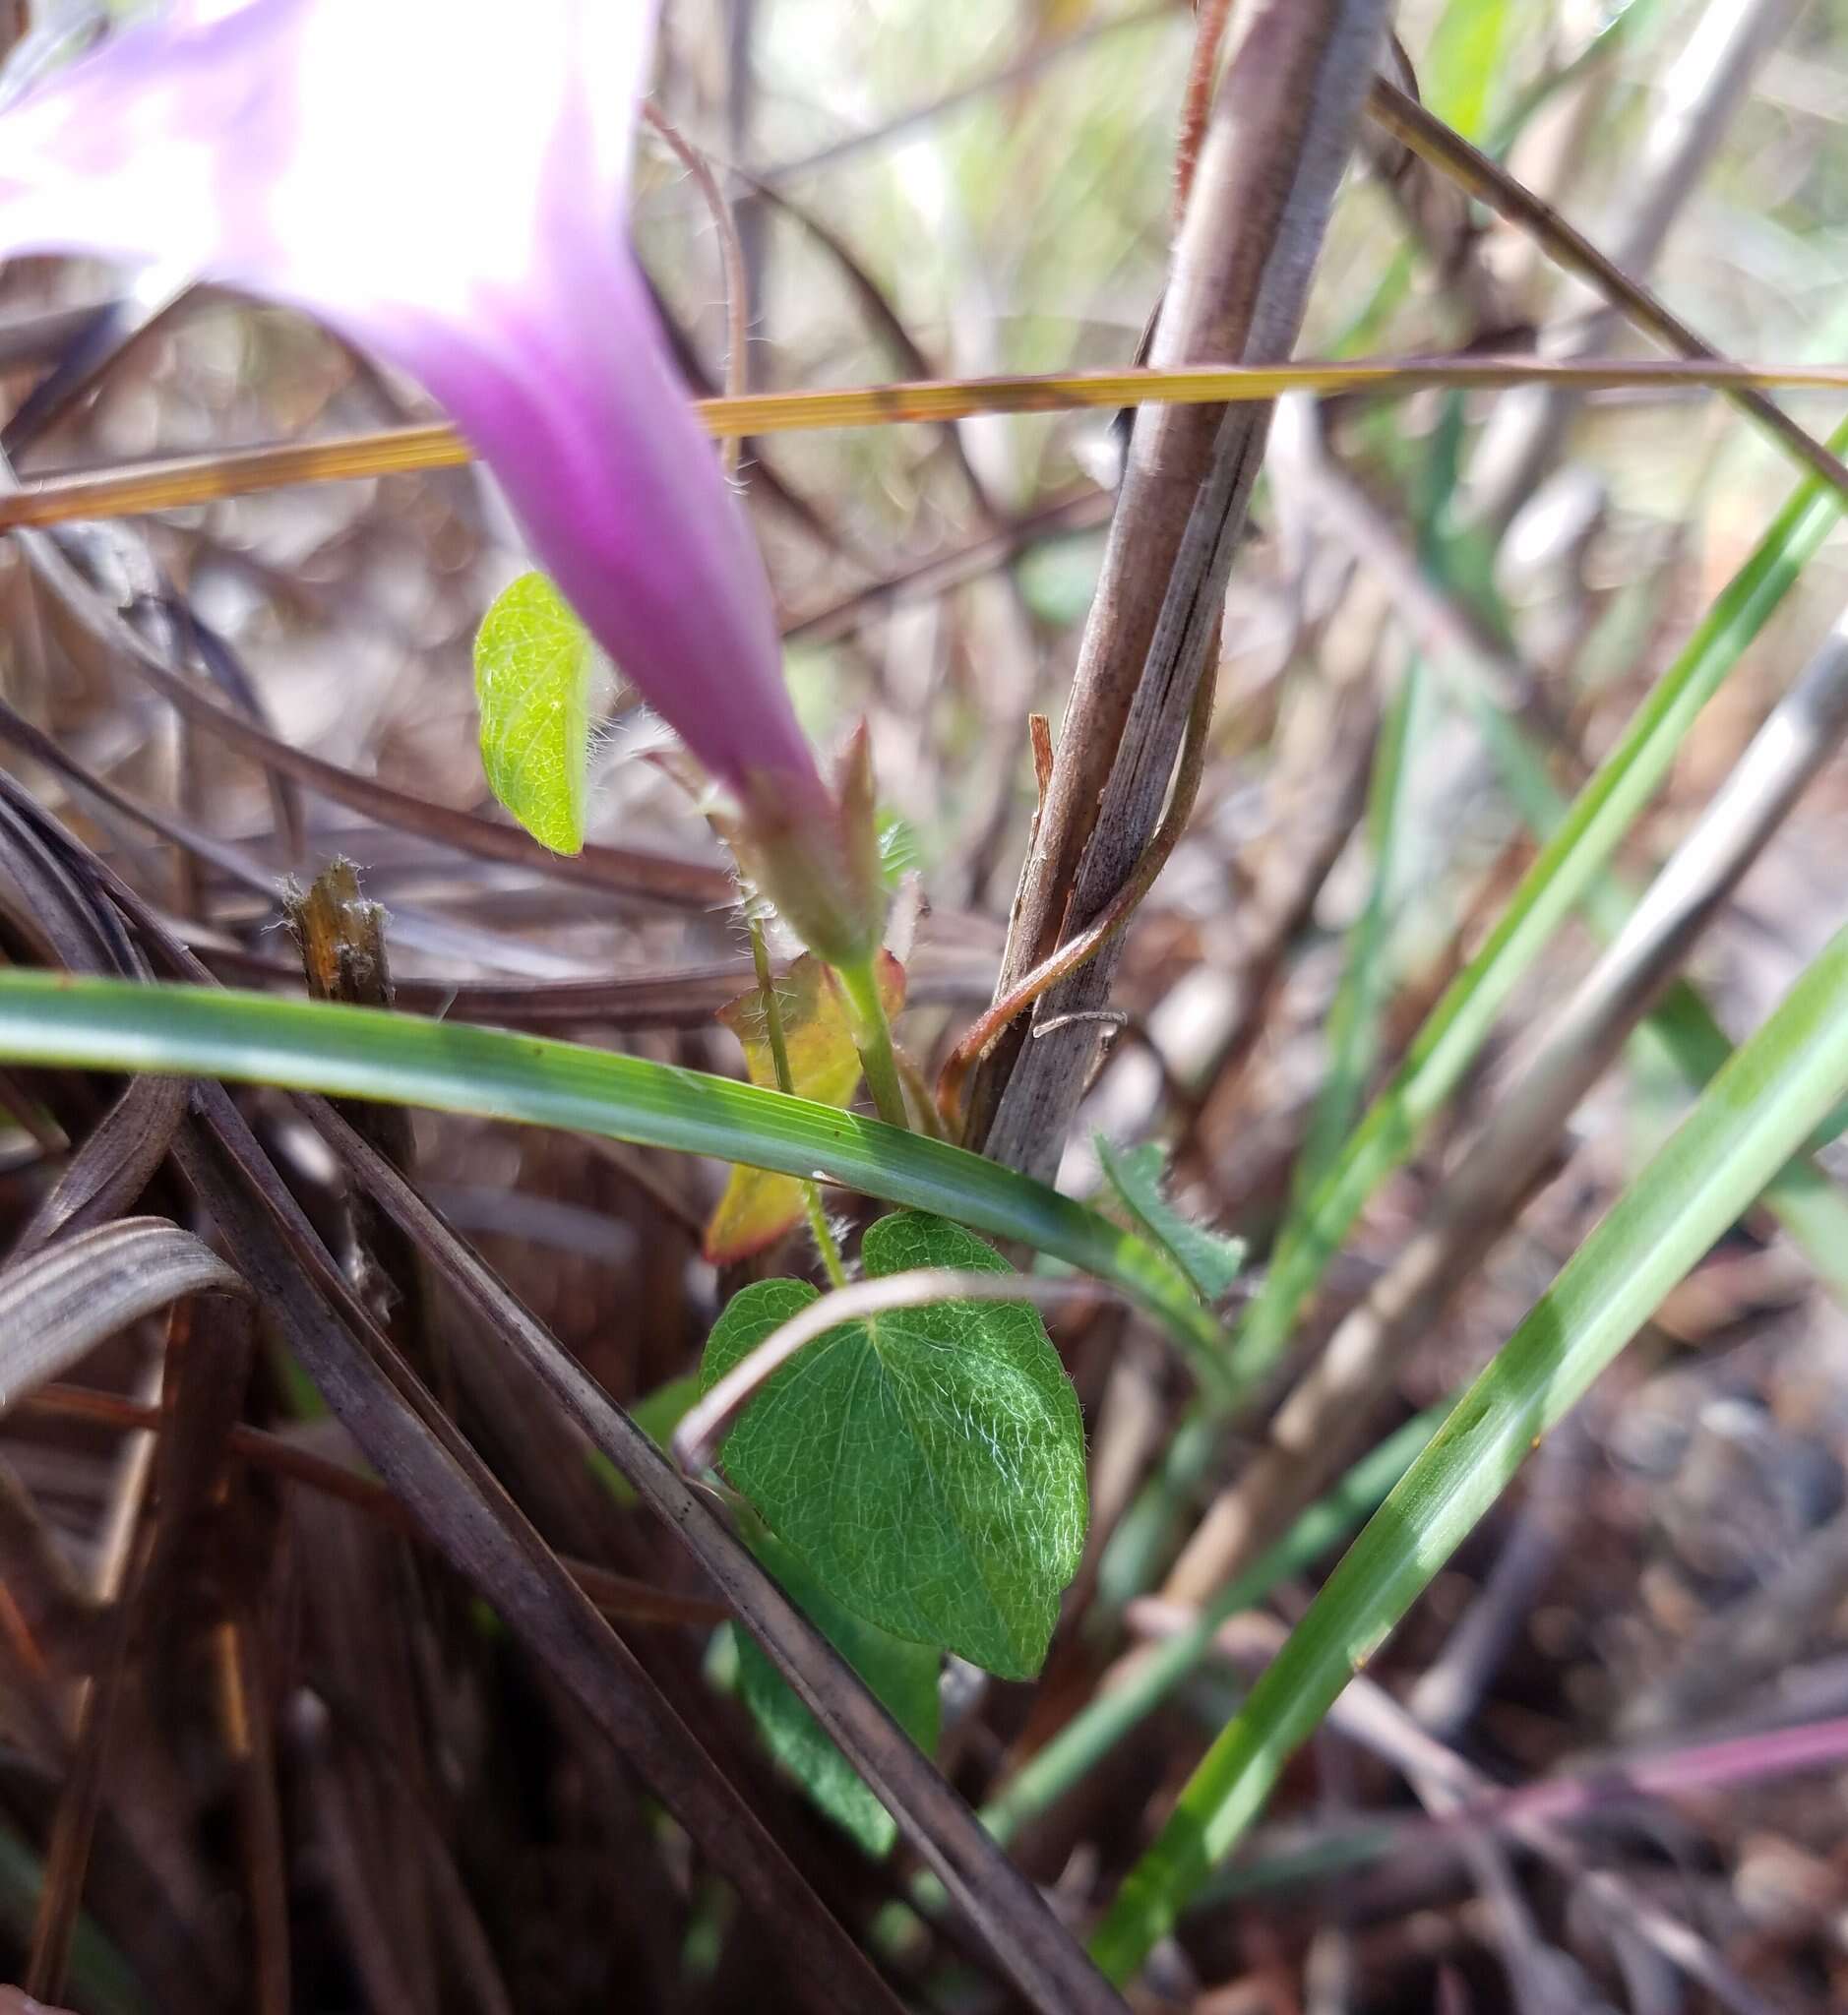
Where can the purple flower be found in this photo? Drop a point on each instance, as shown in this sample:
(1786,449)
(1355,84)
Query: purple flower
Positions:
(447,187)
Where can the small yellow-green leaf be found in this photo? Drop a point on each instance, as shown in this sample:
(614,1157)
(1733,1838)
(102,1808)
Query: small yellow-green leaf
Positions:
(757,1207)
(534,667)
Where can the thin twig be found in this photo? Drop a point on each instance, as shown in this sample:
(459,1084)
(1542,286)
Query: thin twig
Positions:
(1439,623)
(1009,76)
(1746,1642)
(888,324)
(1698,96)
(616,1594)
(1075,512)
(81,1797)
(731,258)
(681,883)
(1432,142)
(122,1582)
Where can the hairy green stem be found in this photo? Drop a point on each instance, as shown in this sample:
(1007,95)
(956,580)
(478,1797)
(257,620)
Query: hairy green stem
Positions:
(826,1247)
(872,1037)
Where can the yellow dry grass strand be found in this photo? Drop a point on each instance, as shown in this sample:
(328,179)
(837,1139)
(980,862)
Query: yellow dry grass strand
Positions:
(188,480)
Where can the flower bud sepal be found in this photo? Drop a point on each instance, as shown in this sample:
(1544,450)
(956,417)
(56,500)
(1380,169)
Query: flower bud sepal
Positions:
(816,857)
(817,860)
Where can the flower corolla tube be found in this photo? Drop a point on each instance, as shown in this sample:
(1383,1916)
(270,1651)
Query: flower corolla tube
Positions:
(447,188)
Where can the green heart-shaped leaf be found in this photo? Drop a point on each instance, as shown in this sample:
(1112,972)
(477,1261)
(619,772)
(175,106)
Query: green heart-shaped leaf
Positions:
(928,1465)
(903,1675)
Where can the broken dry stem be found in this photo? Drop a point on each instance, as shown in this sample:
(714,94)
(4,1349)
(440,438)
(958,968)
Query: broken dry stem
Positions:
(1280,133)
(980,1040)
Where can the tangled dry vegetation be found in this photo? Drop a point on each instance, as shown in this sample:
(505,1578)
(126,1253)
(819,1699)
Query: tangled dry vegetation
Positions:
(297,1708)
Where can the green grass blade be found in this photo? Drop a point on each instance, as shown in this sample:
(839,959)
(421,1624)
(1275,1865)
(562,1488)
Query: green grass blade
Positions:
(1567,874)
(1754,1115)
(1354,1017)
(1681,1028)
(1558,882)
(1110,1715)
(1463,61)
(451,1066)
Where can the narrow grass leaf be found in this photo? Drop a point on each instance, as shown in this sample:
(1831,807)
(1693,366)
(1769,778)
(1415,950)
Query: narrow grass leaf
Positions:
(1566,869)
(1682,1029)
(1752,1118)
(449,1067)
(1565,874)
(170,485)
(1353,1033)
(56,1307)
(1463,62)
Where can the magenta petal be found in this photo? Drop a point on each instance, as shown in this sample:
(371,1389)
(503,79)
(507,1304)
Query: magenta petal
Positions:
(622,496)
(448,189)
